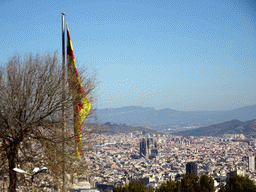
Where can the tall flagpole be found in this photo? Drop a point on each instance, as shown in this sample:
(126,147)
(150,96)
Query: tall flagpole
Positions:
(63,106)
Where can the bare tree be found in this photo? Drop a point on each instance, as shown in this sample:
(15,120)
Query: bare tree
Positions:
(30,114)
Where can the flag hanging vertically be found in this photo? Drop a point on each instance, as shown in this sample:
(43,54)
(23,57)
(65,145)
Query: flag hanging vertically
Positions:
(81,104)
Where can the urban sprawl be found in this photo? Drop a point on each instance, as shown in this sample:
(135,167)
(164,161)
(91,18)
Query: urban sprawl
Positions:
(117,159)
(156,158)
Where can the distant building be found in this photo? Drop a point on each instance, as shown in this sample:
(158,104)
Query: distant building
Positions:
(239,171)
(105,187)
(191,167)
(143,148)
(145,180)
(148,148)
(252,163)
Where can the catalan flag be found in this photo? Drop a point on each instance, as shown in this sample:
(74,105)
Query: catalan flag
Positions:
(81,103)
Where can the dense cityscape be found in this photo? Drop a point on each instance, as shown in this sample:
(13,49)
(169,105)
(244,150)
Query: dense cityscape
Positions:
(156,158)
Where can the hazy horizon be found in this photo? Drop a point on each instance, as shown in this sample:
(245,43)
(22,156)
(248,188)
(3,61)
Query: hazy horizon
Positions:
(173,109)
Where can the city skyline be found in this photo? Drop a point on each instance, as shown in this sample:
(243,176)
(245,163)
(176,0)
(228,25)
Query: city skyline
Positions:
(186,55)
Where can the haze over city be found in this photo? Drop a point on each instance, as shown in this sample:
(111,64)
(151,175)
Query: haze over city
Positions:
(184,55)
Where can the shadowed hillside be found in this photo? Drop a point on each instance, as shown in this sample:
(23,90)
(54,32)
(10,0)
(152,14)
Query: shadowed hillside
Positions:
(247,128)
(112,128)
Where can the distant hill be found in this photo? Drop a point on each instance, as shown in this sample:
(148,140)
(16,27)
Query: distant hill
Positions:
(247,128)
(112,128)
(139,116)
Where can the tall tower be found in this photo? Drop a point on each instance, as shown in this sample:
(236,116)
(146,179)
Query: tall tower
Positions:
(191,167)
(146,149)
(252,163)
(143,147)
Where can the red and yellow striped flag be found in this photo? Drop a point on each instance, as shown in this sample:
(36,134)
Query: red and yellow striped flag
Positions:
(81,104)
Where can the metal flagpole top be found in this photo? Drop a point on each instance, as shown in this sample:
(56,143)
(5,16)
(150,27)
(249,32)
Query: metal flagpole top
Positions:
(64,188)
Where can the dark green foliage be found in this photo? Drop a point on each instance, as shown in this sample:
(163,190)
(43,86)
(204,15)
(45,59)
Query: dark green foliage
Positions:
(177,186)
(120,188)
(135,186)
(150,188)
(222,189)
(168,186)
(190,183)
(239,184)
(206,184)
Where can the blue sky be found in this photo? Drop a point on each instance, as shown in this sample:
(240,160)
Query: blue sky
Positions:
(184,55)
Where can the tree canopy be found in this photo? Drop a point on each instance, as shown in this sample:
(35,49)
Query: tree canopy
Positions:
(188,183)
(239,183)
(31,118)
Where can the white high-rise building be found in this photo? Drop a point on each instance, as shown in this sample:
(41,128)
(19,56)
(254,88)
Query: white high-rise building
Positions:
(252,163)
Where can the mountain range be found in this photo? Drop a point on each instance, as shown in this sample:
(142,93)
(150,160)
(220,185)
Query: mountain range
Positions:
(140,116)
(235,126)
